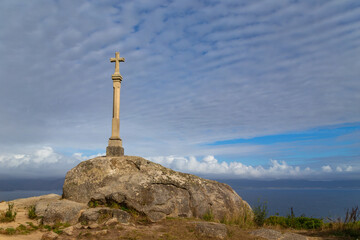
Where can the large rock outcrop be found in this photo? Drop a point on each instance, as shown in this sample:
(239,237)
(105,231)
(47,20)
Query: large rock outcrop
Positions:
(151,189)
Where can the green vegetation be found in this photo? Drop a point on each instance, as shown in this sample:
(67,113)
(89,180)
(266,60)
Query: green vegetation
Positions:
(21,229)
(9,215)
(350,227)
(31,212)
(242,219)
(94,203)
(10,231)
(260,213)
(208,216)
(295,222)
(57,227)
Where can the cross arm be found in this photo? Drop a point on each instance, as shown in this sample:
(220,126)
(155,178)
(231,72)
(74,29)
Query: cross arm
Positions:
(119,59)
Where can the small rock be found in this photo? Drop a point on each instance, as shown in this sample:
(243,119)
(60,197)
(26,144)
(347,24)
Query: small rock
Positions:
(62,211)
(207,229)
(78,226)
(122,216)
(293,236)
(69,230)
(95,214)
(102,232)
(111,222)
(49,236)
(267,234)
(94,225)
(156,216)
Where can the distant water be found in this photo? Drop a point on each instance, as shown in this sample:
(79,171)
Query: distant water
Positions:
(11,195)
(320,203)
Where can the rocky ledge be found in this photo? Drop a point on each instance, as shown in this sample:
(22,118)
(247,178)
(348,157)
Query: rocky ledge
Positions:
(151,189)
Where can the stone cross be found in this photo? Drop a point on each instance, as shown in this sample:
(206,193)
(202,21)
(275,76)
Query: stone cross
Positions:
(117,60)
(115,143)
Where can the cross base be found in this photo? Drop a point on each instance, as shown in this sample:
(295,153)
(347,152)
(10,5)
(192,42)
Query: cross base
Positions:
(114,151)
(115,148)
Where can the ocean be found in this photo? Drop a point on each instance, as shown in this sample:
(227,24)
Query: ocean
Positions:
(312,199)
(321,200)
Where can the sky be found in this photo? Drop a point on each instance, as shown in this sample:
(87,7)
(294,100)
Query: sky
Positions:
(234,89)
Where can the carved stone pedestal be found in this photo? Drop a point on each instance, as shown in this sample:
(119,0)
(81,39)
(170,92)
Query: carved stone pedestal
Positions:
(115,148)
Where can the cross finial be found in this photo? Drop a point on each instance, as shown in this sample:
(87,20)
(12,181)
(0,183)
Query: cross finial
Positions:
(117,60)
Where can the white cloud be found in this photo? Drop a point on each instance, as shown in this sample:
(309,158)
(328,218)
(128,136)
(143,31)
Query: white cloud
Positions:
(326,168)
(82,157)
(349,169)
(40,162)
(209,165)
(44,155)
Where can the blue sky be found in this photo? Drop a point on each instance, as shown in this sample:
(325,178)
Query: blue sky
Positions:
(243,89)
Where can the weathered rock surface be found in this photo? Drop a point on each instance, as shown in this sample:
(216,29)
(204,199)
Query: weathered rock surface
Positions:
(276,235)
(49,236)
(211,230)
(31,201)
(63,211)
(150,188)
(101,215)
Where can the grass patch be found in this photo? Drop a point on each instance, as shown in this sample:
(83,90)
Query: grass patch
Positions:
(10,231)
(208,216)
(242,219)
(350,226)
(21,229)
(295,222)
(57,227)
(31,212)
(94,203)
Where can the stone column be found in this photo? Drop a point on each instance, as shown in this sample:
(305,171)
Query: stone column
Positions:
(115,143)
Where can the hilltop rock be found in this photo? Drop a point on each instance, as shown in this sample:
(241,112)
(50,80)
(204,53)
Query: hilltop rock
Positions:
(149,188)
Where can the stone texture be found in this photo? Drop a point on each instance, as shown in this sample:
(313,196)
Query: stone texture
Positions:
(121,216)
(211,230)
(94,226)
(63,211)
(111,222)
(49,236)
(276,235)
(101,215)
(31,201)
(69,231)
(150,188)
(267,234)
(114,151)
(293,236)
(42,205)
(101,232)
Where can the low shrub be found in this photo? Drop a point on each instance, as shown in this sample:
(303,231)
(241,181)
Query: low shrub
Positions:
(31,212)
(295,222)
(208,216)
(9,215)
(260,213)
